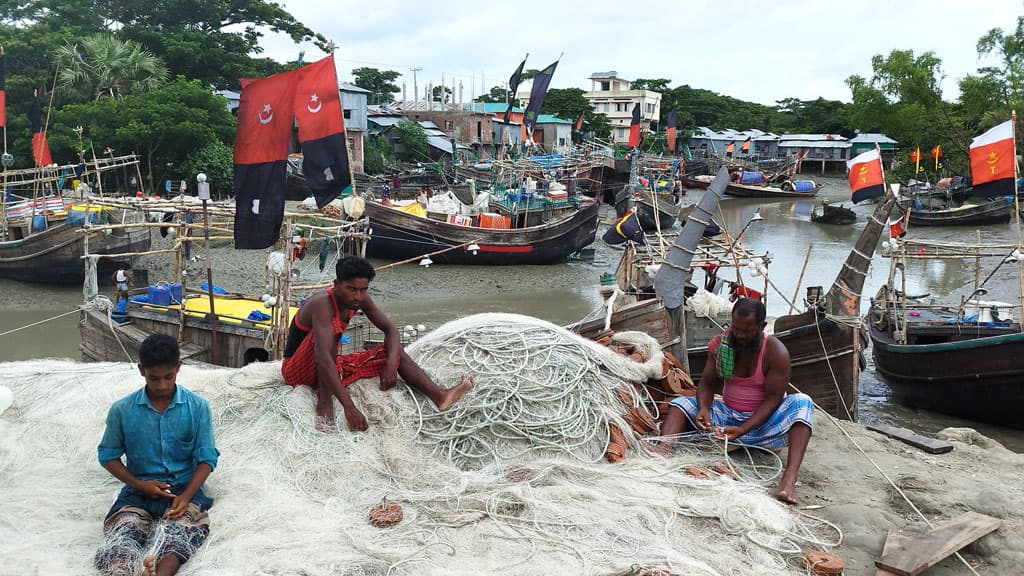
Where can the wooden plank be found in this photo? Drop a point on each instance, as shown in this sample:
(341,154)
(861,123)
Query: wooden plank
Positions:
(923,552)
(896,540)
(929,445)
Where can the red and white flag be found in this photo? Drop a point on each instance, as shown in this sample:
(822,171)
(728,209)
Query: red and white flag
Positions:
(992,157)
(866,179)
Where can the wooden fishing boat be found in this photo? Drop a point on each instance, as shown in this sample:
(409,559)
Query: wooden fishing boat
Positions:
(964,360)
(787,189)
(666,211)
(970,213)
(41,237)
(825,342)
(834,214)
(698,182)
(556,235)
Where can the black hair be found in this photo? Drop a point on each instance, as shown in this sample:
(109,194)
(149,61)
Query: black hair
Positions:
(750,307)
(159,350)
(352,267)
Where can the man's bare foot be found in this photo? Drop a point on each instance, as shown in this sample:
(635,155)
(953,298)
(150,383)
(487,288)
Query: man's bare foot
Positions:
(787,491)
(452,395)
(325,415)
(148,566)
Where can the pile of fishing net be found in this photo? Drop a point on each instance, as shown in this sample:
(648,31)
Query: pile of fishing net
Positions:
(486,487)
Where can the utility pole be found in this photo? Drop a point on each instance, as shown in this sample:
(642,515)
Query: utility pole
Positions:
(415,88)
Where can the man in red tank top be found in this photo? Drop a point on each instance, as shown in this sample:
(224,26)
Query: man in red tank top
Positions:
(311,353)
(752,371)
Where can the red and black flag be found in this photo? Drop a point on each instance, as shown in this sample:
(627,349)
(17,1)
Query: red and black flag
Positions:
(992,159)
(746,146)
(579,123)
(729,149)
(261,156)
(537,92)
(670,132)
(513,86)
(634,127)
(40,149)
(936,154)
(317,109)
(3,91)
(915,157)
(866,179)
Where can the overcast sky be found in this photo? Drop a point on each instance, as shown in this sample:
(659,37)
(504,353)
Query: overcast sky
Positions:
(753,50)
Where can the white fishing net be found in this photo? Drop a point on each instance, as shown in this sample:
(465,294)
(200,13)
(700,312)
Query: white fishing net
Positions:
(292,500)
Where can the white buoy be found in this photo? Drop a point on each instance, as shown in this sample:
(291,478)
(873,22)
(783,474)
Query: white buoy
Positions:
(6,398)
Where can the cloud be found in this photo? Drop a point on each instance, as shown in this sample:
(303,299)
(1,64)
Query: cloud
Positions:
(750,50)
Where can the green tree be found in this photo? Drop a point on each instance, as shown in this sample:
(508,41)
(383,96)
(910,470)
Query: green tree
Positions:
(441,94)
(654,85)
(496,94)
(380,83)
(216,160)
(412,139)
(377,155)
(996,91)
(163,126)
(104,65)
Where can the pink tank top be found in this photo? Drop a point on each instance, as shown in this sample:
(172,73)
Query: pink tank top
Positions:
(746,394)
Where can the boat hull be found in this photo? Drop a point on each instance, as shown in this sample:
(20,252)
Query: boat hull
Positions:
(54,255)
(997,211)
(947,377)
(747,191)
(666,215)
(397,235)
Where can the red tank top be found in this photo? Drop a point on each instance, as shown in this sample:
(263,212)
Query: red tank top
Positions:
(746,394)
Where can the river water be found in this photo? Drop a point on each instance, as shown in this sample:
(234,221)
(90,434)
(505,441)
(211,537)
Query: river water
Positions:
(567,292)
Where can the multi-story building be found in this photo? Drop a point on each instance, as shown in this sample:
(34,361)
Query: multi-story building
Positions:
(611,96)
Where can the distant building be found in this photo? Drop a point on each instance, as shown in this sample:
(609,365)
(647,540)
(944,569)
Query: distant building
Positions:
(831,150)
(867,141)
(383,119)
(553,134)
(762,144)
(353,106)
(611,96)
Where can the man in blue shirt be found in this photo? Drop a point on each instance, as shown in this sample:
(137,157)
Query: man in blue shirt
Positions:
(166,433)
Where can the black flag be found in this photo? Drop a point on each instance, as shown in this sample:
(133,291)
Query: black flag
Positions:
(513,86)
(540,87)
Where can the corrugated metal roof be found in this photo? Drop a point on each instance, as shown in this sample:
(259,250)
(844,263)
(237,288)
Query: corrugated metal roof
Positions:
(603,75)
(550,119)
(872,139)
(814,144)
(352,88)
(490,107)
(813,137)
(386,121)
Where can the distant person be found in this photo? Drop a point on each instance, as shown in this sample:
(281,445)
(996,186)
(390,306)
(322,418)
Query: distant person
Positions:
(752,370)
(396,183)
(311,352)
(122,278)
(165,432)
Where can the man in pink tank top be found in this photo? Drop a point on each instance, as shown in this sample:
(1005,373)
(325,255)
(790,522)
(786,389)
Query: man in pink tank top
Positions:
(751,369)
(311,352)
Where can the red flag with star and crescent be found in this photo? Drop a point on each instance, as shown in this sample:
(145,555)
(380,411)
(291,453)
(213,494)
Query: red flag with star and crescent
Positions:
(634,127)
(992,157)
(866,180)
(40,148)
(261,159)
(317,109)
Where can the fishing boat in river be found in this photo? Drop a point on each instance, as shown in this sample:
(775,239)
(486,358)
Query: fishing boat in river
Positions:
(964,359)
(972,212)
(834,214)
(41,237)
(786,189)
(825,341)
(666,212)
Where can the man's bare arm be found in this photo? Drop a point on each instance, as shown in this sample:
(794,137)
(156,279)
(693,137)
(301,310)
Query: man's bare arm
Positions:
(392,341)
(326,347)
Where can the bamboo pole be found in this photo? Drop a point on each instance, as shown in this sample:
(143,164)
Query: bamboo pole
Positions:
(124,254)
(800,279)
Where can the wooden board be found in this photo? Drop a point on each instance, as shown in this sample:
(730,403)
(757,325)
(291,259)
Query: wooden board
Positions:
(893,541)
(916,555)
(929,445)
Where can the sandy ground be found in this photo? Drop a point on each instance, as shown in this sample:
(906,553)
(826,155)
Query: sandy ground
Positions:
(978,475)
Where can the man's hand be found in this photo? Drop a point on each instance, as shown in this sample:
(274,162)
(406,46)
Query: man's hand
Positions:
(703,420)
(388,376)
(177,508)
(355,419)
(729,433)
(154,489)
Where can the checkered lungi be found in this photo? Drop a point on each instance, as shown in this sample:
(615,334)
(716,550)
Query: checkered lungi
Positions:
(129,530)
(300,368)
(774,433)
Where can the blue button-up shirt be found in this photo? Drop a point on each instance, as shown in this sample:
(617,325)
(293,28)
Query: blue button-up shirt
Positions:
(165,447)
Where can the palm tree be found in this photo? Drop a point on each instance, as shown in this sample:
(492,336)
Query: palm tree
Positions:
(103,65)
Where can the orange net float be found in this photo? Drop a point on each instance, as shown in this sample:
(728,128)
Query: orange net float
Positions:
(725,469)
(672,360)
(823,563)
(616,450)
(386,514)
(700,472)
(520,475)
